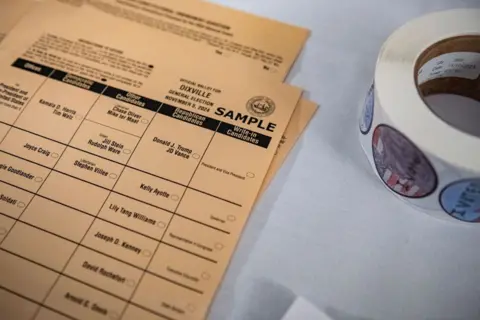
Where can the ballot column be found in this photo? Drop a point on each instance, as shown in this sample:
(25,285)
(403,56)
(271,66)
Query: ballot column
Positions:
(217,202)
(205,227)
(21,282)
(158,173)
(18,86)
(111,257)
(45,233)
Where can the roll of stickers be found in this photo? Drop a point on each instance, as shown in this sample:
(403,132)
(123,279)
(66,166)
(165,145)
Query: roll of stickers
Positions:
(427,156)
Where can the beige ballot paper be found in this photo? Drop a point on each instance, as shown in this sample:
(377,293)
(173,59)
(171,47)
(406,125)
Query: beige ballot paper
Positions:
(272,46)
(303,112)
(248,43)
(116,200)
(243,39)
(264,45)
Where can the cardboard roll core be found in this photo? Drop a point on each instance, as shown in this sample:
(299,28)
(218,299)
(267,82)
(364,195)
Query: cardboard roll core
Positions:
(453,67)
(455,85)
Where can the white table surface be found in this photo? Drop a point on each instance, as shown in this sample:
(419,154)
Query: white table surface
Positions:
(327,228)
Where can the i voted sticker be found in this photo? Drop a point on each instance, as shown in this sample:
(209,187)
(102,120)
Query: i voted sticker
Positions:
(461,200)
(401,165)
(366,118)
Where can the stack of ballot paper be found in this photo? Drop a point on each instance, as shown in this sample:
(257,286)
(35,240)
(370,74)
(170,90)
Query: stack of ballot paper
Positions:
(135,138)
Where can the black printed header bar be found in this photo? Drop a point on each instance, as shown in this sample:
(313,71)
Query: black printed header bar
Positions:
(32,67)
(244,135)
(78,81)
(188,116)
(132,98)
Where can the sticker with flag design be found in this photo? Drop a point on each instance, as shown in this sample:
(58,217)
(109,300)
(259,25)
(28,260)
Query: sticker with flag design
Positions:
(401,165)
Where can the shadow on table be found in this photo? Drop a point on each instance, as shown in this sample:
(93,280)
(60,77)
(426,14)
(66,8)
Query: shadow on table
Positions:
(263,299)
(342,315)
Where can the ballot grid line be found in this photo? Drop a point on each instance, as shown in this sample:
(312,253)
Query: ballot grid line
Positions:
(110,190)
(6,134)
(98,252)
(26,105)
(62,273)
(116,129)
(171,218)
(139,282)
(48,174)
(102,187)
(109,221)
(79,244)
(107,159)
(104,220)
(17,220)
(36,302)
(122,314)
(41,304)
